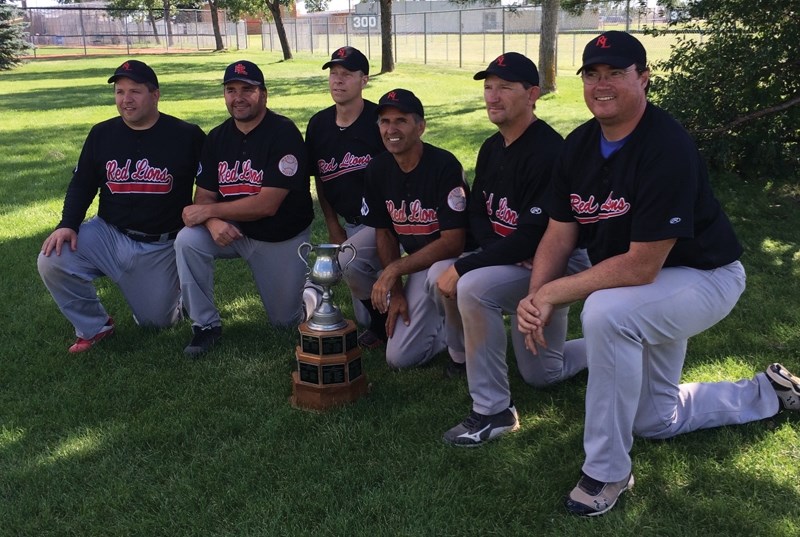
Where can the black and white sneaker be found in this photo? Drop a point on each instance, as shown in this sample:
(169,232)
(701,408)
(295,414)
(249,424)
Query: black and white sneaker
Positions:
(312,297)
(787,386)
(203,339)
(591,497)
(478,429)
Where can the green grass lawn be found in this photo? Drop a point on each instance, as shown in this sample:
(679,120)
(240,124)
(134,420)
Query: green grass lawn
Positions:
(133,439)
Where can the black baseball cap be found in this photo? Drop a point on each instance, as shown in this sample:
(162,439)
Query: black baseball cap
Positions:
(403,100)
(513,67)
(350,58)
(615,48)
(246,72)
(137,71)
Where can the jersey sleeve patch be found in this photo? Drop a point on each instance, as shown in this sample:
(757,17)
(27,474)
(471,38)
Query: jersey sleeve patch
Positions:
(457,199)
(288,165)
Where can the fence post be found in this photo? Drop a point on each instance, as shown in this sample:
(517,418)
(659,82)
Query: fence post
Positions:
(127,38)
(311,35)
(425,38)
(503,15)
(460,41)
(369,43)
(196,30)
(328,35)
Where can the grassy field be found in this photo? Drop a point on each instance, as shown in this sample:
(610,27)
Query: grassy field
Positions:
(133,439)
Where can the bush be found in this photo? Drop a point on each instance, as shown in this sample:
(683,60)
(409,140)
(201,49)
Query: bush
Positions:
(737,88)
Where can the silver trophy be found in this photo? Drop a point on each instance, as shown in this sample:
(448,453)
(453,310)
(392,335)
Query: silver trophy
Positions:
(326,272)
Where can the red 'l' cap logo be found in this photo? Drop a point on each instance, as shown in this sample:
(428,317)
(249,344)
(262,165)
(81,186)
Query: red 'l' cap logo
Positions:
(341,52)
(602,43)
(240,69)
(126,66)
(501,60)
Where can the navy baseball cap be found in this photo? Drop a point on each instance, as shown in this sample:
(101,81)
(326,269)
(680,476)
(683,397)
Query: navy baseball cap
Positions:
(246,72)
(513,67)
(614,48)
(137,71)
(350,58)
(403,100)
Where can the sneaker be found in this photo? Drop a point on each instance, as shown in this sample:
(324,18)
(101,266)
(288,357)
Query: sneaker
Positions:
(454,369)
(478,429)
(591,497)
(82,345)
(312,298)
(203,339)
(370,340)
(787,386)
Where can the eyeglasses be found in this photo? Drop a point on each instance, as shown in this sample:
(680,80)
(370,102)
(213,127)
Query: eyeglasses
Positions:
(590,78)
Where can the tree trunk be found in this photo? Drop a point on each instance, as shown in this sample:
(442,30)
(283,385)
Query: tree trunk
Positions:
(168,23)
(387,58)
(152,18)
(548,39)
(212,6)
(275,8)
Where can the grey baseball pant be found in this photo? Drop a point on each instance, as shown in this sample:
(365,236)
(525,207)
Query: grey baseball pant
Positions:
(277,270)
(635,342)
(475,325)
(144,272)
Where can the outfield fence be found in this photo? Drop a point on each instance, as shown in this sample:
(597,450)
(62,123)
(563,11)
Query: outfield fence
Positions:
(456,37)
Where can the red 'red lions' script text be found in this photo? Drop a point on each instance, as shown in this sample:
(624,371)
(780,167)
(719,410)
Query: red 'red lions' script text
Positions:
(350,162)
(145,179)
(416,213)
(611,208)
(227,175)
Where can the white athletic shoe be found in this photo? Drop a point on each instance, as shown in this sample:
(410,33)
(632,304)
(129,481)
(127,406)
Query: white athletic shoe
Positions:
(787,386)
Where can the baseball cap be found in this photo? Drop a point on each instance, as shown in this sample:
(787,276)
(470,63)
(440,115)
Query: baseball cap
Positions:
(615,48)
(513,67)
(403,100)
(350,58)
(137,71)
(246,72)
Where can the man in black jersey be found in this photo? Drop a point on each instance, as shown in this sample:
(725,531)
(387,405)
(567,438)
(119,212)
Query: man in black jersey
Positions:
(632,186)
(416,198)
(507,220)
(143,163)
(342,140)
(252,201)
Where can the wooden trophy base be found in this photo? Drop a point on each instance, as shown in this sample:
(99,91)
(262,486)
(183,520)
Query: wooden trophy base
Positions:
(329,371)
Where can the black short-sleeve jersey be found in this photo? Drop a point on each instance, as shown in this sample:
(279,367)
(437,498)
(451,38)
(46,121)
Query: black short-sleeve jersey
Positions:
(339,156)
(655,187)
(506,208)
(235,164)
(420,204)
(145,177)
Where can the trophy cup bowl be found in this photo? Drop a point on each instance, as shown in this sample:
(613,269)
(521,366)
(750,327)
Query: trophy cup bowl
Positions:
(326,272)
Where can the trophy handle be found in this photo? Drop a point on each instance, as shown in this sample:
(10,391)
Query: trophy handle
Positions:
(348,247)
(304,256)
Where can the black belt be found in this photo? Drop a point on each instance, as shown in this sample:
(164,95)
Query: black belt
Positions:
(148,237)
(356,220)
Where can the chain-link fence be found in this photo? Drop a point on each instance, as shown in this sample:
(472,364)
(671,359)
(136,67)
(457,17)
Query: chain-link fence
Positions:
(76,29)
(426,32)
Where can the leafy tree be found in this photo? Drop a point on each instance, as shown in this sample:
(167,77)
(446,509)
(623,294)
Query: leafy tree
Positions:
(738,88)
(316,6)
(273,7)
(12,36)
(123,8)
